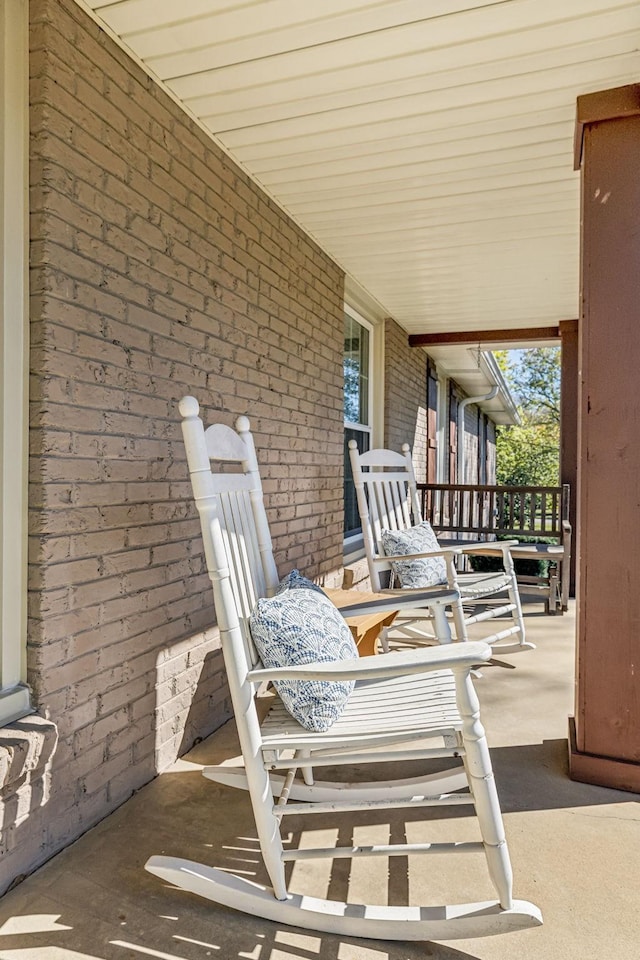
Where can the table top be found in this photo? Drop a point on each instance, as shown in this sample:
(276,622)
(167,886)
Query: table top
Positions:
(525,551)
(347,598)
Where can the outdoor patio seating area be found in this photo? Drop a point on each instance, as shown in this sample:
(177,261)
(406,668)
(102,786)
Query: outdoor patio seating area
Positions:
(573,847)
(349,229)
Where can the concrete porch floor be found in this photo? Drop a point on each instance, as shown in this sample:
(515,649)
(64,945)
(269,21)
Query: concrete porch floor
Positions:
(575,851)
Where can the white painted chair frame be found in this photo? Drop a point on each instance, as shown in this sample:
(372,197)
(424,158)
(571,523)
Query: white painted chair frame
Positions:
(437,698)
(387,499)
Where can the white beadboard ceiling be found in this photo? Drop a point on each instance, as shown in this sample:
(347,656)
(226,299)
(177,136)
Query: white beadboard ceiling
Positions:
(426,145)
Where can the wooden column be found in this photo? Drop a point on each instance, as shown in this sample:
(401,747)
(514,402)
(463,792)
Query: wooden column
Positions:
(569,424)
(605,741)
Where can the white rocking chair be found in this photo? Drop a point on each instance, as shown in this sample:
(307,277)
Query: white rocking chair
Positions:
(388,504)
(399,702)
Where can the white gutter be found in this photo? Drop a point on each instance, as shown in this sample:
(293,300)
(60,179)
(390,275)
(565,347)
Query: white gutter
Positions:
(496,376)
(461,431)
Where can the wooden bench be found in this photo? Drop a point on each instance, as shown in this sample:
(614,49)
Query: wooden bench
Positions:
(485,512)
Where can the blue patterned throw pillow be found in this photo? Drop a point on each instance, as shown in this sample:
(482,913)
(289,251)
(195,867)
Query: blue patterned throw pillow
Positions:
(295,579)
(300,625)
(427,572)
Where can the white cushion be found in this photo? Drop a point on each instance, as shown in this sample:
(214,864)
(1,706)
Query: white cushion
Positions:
(301,625)
(426,572)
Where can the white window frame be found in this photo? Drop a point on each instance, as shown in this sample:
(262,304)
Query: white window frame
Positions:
(364,428)
(14,352)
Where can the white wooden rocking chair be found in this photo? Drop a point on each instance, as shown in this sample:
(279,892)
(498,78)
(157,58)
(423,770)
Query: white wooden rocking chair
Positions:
(389,510)
(399,702)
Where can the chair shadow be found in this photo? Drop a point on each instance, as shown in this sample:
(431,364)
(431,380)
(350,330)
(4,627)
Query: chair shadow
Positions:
(535,776)
(108,907)
(96,901)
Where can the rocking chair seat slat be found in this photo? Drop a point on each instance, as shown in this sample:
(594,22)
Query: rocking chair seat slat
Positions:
(411,705)
(482,585)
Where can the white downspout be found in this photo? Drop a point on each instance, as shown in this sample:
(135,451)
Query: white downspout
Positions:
(461,432)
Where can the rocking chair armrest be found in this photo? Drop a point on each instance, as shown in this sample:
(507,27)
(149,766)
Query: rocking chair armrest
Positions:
(407,599)
(455,656)
(408,557)
(486,546)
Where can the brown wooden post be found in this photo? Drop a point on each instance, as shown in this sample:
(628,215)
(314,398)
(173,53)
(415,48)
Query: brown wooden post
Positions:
(605,741)
(569,424)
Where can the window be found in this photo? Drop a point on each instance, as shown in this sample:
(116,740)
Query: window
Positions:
(357,407)
(14,233)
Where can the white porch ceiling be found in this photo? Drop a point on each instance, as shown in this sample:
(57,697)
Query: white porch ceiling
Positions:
(426,145)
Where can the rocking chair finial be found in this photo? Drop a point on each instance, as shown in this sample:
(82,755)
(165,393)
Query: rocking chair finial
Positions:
(189,407)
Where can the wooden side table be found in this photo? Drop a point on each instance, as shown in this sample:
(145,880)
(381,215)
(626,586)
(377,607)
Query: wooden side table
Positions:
(367,627)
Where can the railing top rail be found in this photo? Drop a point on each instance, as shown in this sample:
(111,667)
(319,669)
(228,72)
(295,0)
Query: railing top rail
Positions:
(489,487)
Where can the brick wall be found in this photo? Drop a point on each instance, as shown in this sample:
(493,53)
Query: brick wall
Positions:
(158,269)
(405,396)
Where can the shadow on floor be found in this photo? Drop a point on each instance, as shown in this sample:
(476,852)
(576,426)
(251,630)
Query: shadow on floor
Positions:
(535,776)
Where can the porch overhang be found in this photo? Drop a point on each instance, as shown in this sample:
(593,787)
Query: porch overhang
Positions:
(428,153)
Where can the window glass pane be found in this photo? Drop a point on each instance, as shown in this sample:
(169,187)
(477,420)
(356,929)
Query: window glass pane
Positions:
(356,372)
(352,524)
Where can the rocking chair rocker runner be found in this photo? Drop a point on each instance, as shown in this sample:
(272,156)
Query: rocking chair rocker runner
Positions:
(399,701)
(392,524)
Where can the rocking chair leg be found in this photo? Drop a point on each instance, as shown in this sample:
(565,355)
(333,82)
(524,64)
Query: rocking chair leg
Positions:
(268,829)
(267,824)
(483,788)
(459,620)
(307,772)
(441,624)
(514,596)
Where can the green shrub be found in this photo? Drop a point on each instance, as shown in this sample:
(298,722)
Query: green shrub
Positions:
(526,568)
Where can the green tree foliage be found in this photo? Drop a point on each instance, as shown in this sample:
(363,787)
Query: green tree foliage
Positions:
(536,381)
(529,453)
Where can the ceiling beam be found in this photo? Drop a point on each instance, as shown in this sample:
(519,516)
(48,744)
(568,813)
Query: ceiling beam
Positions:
(524,335)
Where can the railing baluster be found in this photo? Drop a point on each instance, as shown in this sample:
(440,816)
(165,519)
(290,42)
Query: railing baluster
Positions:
(543,512)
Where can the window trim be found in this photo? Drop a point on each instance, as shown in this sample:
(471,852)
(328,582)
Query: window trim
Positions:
(14,353)
(353,545)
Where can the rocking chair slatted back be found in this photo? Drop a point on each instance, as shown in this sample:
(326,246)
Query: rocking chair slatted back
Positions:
(233,501)
(387,500)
